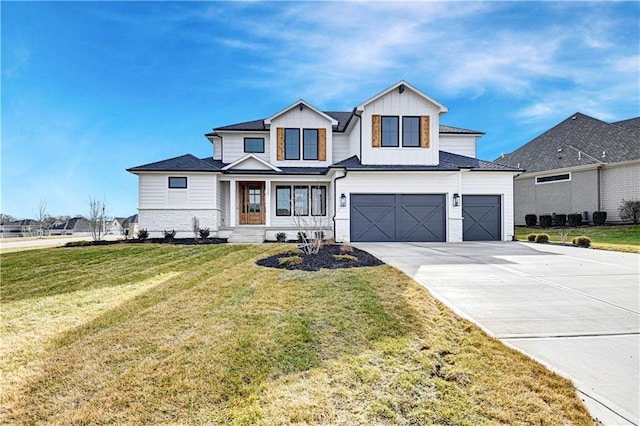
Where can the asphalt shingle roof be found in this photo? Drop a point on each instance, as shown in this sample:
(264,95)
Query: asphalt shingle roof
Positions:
(448,162)
(184,163)
(578,141)
(343,118)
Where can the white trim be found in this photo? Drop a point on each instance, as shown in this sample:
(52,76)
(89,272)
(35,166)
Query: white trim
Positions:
(251,156)
(267,121)
(442,108)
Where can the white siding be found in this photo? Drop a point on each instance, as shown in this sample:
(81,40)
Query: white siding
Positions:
(485,183)
(234,146)
(301,119)
(154,191)
(401,104)
(340,147)
(458,144)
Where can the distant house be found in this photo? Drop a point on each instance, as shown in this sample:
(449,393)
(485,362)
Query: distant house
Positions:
(125,225)
(21,228)
(581,165)
(73,226)
(387,170)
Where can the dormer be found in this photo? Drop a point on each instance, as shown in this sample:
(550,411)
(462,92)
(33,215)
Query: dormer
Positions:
(400,126)
(302,136)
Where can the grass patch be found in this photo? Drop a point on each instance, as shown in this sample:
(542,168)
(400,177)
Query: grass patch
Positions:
(158,334)
(621,238)
(345,257)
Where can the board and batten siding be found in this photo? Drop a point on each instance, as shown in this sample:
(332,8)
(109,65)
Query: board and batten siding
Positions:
(457,144)
(296,118)
(398,104)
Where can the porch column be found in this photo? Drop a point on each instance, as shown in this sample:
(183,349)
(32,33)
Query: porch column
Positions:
(267,202)
(233,203)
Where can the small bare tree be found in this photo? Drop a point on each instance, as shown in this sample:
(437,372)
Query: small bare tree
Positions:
(195,226)
(309,226)
(629,210)
(43,218)
(98,219)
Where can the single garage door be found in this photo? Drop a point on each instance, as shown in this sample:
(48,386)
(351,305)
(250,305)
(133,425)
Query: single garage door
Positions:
(397,217)
(481,215)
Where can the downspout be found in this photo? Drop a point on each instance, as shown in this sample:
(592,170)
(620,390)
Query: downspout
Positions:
(359,124)
(336,201)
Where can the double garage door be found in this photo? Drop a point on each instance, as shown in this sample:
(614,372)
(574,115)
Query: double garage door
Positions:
(420,217)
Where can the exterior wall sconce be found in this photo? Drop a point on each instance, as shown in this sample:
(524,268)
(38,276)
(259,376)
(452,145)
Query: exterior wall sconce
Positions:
(343,200)
(456,199)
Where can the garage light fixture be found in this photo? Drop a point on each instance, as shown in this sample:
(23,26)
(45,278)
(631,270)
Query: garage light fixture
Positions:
(343,200)
(456,199)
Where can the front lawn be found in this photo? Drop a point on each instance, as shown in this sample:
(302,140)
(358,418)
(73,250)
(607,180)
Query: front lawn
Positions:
(620,237)
(133,334)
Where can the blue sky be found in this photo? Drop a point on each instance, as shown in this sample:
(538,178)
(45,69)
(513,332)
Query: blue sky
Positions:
(92,88)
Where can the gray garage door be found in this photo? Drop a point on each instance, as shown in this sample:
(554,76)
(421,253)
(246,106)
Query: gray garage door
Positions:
(397,217)
(481,218)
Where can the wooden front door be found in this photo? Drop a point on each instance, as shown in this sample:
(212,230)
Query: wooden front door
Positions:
(251,203)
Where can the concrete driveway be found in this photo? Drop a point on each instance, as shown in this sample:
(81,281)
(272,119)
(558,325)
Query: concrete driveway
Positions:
(575,310)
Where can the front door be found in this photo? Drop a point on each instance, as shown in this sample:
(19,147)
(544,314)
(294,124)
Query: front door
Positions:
(251,203)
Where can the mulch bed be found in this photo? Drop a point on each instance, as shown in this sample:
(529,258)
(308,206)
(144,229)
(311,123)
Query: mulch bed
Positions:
(324,259)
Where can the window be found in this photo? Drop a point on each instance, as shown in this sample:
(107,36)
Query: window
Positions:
(318,200)
(253,144)
(411,131)
(283,201)
(177,182)
(389,131)
(553,178)
(292,144)
(301,200)
(310,144)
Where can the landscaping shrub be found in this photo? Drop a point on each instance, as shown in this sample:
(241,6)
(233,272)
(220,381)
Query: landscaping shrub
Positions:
(281,237)
(345,258)
(82,243)
(291,260)
(531,237)
(542,238)
(630,210)
(546,220)
(204,233)
(169,235)
(302,236)
(143,234)
(582,241)
(599,218)
(575,219)
(531,219)
(561,220)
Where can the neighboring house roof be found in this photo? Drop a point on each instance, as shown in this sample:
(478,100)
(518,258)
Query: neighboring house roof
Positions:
(343,118)
(74,224)
(579,140)
(184,163)
(448,162)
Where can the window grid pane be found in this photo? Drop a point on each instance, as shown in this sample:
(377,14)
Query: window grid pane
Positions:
(411,131)
(283,201)
(389,131)
(292,144)
(318,201)
(310,144)
(177,182)
(253,145)
(301,200)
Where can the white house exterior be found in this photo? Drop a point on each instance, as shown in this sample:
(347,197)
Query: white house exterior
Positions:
(385,171)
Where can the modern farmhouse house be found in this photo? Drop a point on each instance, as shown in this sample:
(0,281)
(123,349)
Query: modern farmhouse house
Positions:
(385,171)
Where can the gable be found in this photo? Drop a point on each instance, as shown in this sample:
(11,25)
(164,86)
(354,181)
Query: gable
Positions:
(250,162)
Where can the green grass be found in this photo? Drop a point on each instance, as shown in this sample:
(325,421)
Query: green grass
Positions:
(621,238)
(162,335)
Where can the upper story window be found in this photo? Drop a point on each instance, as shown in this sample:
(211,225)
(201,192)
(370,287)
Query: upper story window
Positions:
(389,131)
(254,145)
(292,144)
(553,178)
(386,130)
(177,182)
(411,131)
(310,144)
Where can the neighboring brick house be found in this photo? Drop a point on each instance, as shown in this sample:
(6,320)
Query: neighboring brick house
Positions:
(581,165)
(385,171)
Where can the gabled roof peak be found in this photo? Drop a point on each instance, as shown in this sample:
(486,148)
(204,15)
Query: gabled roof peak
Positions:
(402,86)
(301,104)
